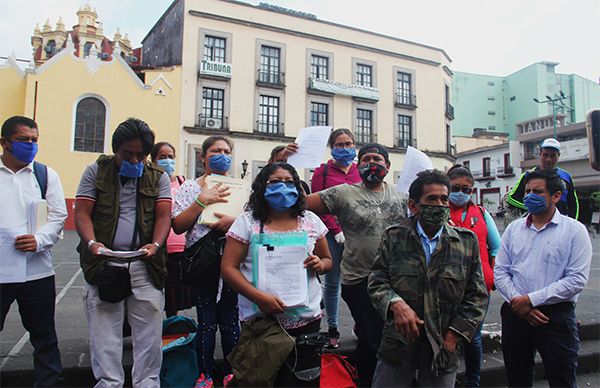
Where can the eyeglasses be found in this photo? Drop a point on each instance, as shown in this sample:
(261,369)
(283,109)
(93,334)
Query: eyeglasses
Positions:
(344,145)
(288,184)
(464,189)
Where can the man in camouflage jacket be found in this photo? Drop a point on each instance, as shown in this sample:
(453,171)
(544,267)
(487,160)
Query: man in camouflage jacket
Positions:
(428,286)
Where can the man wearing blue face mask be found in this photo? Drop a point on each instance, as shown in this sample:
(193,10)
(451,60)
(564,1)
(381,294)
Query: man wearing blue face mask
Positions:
(542,266)
(124,203)
(34,291)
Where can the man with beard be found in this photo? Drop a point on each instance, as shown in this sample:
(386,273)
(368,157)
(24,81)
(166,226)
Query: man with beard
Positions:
(428,287)
(363,210)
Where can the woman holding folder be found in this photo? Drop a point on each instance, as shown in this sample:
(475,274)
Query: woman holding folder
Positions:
(276,208)
(216,306)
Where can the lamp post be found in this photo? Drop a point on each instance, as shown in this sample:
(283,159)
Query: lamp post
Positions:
(555,101)
(244,168)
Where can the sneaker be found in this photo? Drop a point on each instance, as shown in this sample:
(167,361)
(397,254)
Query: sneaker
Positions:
(334,338)
(204,382)
(227,379)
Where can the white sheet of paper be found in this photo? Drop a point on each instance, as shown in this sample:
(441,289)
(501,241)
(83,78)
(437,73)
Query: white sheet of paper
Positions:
(239,192)
(414,162)
(281,272)
(312,142)
(12,262)
(37,215)
(121,254)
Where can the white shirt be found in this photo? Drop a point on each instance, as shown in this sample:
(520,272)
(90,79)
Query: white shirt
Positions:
(551,264)
(17,190)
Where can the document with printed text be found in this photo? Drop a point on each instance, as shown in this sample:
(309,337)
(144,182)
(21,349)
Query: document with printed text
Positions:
(13,263)
(312,142)
(281,272)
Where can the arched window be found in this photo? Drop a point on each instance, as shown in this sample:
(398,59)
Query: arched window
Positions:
(90,119)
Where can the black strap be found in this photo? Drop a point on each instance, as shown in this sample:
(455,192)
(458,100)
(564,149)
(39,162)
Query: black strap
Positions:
(180,179)
(41,175)
(325,172)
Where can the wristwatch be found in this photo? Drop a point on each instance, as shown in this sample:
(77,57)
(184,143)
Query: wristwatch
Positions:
(90,243)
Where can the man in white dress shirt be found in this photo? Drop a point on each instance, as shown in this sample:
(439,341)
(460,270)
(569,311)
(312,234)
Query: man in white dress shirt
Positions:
(33,288)
(542,266)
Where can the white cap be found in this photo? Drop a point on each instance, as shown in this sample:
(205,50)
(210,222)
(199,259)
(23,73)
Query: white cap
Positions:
(551,143)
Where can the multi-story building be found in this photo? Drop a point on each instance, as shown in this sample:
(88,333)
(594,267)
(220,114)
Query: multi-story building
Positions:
(495,170)
(498,103)
(574,154)
(258,74)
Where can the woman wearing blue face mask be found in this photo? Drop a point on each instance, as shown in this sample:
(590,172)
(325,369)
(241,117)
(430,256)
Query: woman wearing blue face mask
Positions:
(276,206)
(216,301)
(466,214)
(178,296)
(339,170)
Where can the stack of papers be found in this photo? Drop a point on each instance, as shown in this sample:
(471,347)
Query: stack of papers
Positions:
(121,254)
(37,215)
(239,190)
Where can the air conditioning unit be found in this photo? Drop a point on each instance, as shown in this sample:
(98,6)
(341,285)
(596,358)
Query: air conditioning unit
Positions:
(213,123)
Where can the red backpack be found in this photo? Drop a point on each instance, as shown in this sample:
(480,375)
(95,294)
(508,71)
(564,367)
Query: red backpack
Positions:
(337,372)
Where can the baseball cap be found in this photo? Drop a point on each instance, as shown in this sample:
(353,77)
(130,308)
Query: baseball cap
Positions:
(551,143)
(374,148)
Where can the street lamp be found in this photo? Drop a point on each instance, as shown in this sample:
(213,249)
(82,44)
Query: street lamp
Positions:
(556,101)
(244,168)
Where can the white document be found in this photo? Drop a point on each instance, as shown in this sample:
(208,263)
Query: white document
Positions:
(37,215)
(281,272)
(414,162)
(239,192)
(121,254)
(13,263)
(312,142)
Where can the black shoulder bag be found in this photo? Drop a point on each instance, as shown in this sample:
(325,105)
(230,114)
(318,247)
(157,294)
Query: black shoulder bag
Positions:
(202,260)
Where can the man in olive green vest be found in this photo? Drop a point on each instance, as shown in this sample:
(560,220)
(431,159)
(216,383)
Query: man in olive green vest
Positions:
(123,203)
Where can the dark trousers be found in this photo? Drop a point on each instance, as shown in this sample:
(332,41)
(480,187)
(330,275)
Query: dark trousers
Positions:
(212,314)
(557,342)
(36,307)
(369,326)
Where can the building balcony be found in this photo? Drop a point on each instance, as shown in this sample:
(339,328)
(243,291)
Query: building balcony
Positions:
(328,87)
(505,172)
(215,70)
(210,122)
(270,79)
(449,112)
(405,143)
(483,175)
(269,128)
(405,101)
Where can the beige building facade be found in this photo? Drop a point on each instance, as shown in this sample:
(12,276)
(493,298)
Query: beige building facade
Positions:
(258,74)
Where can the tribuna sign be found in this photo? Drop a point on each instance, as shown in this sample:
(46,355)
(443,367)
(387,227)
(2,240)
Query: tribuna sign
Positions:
(219,69)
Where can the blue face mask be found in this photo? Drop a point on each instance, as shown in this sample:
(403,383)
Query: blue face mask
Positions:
(459,198)
(24,151)
(168,165)
(343,156)
(219,163)
(280,197)
(535,203)
(131,170)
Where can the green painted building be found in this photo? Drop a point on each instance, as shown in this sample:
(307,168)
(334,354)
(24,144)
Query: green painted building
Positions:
(497,103)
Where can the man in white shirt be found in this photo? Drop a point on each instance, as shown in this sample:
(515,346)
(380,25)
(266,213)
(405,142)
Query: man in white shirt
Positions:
(542,266)
(30,280)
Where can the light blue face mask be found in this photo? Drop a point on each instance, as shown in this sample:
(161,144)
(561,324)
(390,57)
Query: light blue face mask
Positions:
(459,198)
(281,196)
(168,165)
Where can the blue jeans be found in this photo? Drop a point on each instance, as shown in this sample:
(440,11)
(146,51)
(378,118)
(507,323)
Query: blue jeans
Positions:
(331,286)
(36,307)
(473,356)
(211,314)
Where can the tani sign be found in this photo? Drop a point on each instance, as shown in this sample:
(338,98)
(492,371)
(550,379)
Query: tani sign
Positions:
(540,124)
(218,69)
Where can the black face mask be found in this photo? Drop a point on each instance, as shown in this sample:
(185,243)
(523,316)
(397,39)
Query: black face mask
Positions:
(372,172)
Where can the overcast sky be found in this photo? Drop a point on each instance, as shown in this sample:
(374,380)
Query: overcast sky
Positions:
(481,36)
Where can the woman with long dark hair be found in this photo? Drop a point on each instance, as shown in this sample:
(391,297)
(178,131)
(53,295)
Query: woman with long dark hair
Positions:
(213,308)
(276,206)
